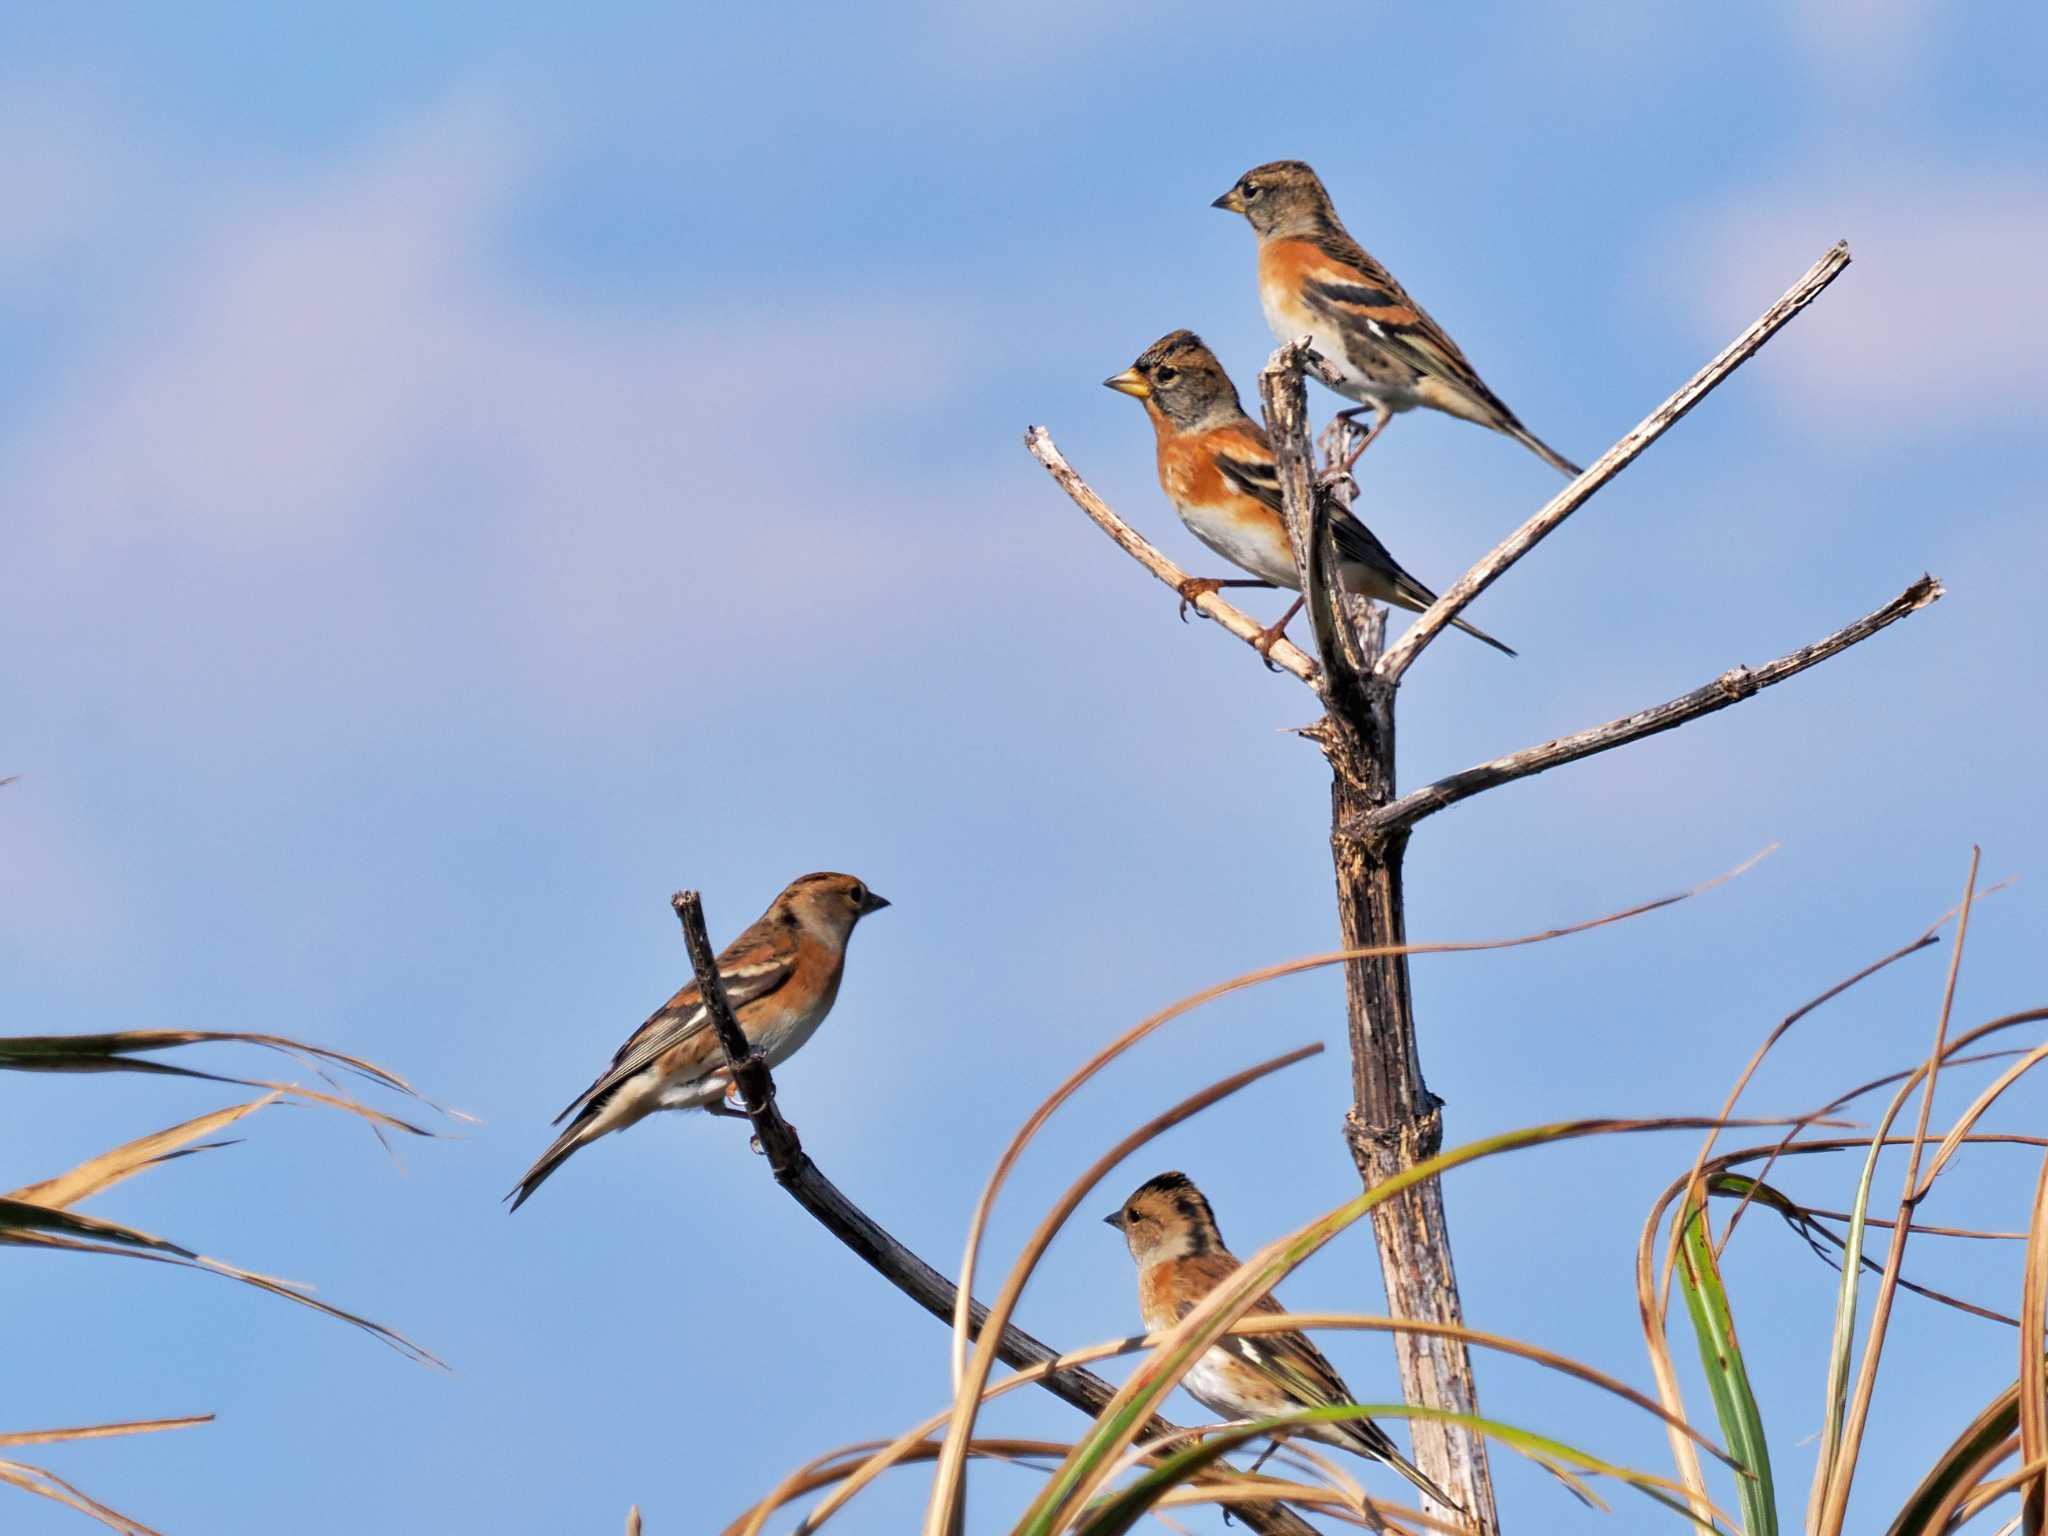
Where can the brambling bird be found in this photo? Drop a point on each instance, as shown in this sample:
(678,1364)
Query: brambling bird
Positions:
(1181,1259)
(1216,466)
(1315,279)
(781,977)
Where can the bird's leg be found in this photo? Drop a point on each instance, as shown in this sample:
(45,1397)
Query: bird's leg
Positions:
(1266,639)
(1193,587)
(1382,414)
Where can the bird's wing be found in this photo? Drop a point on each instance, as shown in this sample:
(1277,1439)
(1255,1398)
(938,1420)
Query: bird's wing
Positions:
(1291,1362)
(756,965)
(1363,297)
(1248,463)
(1357,542)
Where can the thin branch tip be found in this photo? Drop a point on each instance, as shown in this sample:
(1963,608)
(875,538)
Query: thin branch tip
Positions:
(1496,562)
(1284,655)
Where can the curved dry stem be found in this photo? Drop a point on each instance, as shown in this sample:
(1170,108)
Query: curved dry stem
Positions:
(1849,1098)
(808,1480)
(1080,1478)
(2033,1385)
(1835,1469)
(881,1456)
(978,1222)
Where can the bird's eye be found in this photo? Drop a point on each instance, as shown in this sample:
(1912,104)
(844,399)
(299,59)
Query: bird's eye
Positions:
(1251,190)
(1131,1214)
(859,894)
(1165,375)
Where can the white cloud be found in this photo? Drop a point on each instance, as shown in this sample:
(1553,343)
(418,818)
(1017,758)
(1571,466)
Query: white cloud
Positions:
(338,380)
(57,179)
(1934,324)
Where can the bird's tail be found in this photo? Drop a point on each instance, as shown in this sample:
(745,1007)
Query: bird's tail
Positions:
(1415,1475)
(1373,1441)
(1479,634)
(559,1152)
(1541,449)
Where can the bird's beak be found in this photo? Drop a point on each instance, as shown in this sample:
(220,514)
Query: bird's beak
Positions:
(875,902)
(1130,382)
(1111,1220)
(1230,202)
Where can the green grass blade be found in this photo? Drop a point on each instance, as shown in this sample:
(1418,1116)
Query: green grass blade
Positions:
(1713,1324)
(1119,1422)
(1120,1512)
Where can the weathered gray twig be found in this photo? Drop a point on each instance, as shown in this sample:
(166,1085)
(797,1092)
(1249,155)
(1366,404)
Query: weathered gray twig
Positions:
(1731,687)
(1285,653)
(1403,652)
(1285,402)
(818,1195)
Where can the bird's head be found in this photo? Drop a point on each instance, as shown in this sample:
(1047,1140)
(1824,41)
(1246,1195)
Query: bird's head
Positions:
(1282,197)
(1179,378)
(828,904)
(1166,1218)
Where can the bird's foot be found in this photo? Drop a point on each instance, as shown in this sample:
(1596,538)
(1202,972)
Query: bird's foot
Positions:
(1266,639)
(1193,587)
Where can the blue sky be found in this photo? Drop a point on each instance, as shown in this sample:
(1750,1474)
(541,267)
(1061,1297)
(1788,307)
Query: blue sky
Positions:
(469,473)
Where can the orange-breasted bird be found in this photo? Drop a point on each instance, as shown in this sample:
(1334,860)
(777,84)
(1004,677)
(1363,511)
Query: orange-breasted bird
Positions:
(1216,466)
(1315,279)
(1181,1259)
(781,977)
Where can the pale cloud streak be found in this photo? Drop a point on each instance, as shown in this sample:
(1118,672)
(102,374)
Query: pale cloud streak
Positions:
(337,390)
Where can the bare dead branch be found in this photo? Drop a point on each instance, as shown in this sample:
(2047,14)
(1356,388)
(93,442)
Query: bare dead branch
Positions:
(1285,654)
(1309,507)
(777,1138)
(1731,687)
(1403,652)
(795,1172)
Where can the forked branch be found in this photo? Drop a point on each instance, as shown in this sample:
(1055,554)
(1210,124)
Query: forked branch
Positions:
(1731,687)
(795,1172)
(1611,463)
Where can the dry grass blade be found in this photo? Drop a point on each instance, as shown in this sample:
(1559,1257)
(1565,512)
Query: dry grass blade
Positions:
(47,1484)
(1655,1313)
(1784,1026)
(1987,1494)
(1805,1220)
(100,1431)
(1842,1436)
(110,1168)
(1888,1080)
(823,1472)
(879,1456)
(112,1052)
(24,1224)
(948,1489)
(1080,1477)
(633,1521)
(2033,1396)
(1116,1513)
(978,1222)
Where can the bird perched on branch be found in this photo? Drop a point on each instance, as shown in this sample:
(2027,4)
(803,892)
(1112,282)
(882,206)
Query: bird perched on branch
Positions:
(1216,466)
(781,977)
(1315,279)
(1181,1259)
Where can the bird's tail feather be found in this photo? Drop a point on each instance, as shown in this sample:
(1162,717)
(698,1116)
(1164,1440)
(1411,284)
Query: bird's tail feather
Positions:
(559,1151)
(1541,449)
(1415,1475)
(1479,634)
(1375,1442)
